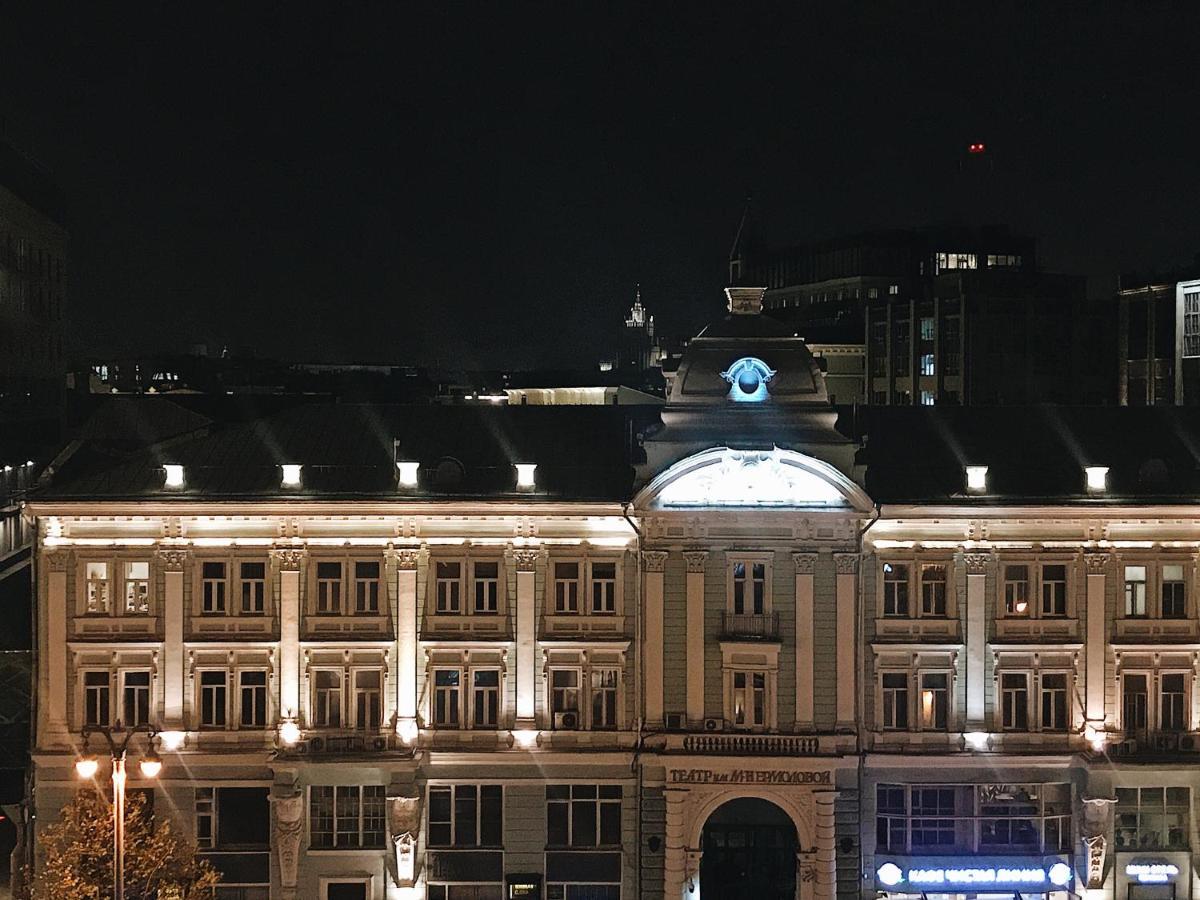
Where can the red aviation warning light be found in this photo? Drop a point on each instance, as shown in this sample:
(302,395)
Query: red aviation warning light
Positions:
(977,148)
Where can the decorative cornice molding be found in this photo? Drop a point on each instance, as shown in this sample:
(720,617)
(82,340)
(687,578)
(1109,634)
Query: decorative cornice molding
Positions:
(977,563)
(288,559)
(695,560)
(806,563)
(846,563)
(525,559)
(173,559)
(654,560)
(1095,563)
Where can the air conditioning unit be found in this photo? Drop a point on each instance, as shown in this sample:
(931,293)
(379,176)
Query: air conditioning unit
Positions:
(1166,741)
(379,743)
(566,721)
(1124,748)
(315,745)
(674,722)
(713,724)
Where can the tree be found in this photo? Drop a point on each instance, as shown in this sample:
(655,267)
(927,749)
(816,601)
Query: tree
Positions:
(78,855)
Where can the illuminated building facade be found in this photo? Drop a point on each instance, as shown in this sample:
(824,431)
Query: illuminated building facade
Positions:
(728,647)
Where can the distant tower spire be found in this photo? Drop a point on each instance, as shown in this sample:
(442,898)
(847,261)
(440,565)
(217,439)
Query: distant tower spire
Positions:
(735,252)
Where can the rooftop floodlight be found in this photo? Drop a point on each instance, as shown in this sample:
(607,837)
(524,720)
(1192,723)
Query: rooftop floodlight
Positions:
(407,473)
(174,475)
(1097,477)
(291,474)
(977,478)
(525,474)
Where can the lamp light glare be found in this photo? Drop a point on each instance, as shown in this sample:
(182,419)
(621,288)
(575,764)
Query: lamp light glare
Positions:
(1097,478)
(408,473)
(1059,874)
(977,740)
(174,475)
(525,474)
(150,765)
(407,730)
(172,740)
(291,474)
(289,732)
(1095,737)
(87,766)
(526,738)
(889,874)
(977,478)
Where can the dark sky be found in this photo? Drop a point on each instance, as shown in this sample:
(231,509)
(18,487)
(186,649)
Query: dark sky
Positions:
(483,184)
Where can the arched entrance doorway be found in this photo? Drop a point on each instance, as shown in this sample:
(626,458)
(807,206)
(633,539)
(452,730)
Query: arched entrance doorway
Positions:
(749,850)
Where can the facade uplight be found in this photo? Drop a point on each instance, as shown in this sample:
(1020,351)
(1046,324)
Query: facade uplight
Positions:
(977,478)
(525,474)
(172,740)
(525,738)
(289,732)
(1097,477)
(407,730)
(174,475)
(291,474)
(977,740)
(408,473)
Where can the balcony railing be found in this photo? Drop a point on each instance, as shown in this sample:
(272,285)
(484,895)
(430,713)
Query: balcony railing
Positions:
(750,626)
(752,744)
(319,742)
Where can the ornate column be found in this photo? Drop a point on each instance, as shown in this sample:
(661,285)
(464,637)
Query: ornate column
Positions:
(1096,567)
(172,561)
(654,563)
(847,597)
(826,867)
(695,560)
(806,568)
(525,561)
(55,661)
(288,562)
(977,566)
(404,827)
(289,823)
(406,641)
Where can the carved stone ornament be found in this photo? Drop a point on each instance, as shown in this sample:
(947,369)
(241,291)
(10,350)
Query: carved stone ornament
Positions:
(977,563)
(57,560)
(654,560)
(525,559)
(695,560)
(846,563)
(806,869)
(1093,827)
(288,559)
(406,557)
(172,559)
(289,822)
(1095,563)
(404,824)
(806,563)
(1096,845)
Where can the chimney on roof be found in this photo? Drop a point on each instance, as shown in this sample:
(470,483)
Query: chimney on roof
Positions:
(745,301)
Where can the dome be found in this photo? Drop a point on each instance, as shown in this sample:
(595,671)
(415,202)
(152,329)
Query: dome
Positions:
(748,358)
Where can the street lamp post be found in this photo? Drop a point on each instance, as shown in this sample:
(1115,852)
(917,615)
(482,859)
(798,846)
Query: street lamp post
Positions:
(118,738)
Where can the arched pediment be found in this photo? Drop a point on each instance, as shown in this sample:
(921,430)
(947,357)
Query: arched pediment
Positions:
(755,479)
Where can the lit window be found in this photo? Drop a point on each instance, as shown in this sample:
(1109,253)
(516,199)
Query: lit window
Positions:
(927,398)
(935,701)
(927,368)
(97,587)
(1135,592)
(927,331)
(137,587)
(564,698)
(1016,590)
(749,699)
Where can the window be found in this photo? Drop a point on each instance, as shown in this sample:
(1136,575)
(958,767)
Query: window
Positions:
(1172,703)
(97,587)
(448,586)
(1135,591)
(895,589)
(891,819)
(214,696)
(469,891)
(583,815)
(252,699)
(893,290)
(329,588)
(327,698)
(96,688)
(1191,324)
(948,261)
(895,701)
(368,700)
(749,588)
(487,587)
(604,698)
(604,587)
(928,398)
(1054,590)
(137,588)
(932,823)
(927,367)
(485,698)
(347,816)
(212,588)
(935,701)
(927,332)
(1014,701)
(1016,590)
(366,588)
(206,818)
(135,699)
(750,699)
(1153,818)
(466,815)
(933,590)
(447,697)
(1174,592)
(564,697)
(1134,704)
(1003,260)
(566,587)
(1055,702)
(253,578)
(233,818)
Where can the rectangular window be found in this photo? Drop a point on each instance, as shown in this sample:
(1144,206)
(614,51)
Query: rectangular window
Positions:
(137,588)
(329,588)
(895,589)
(1174,592)
(891,818)
(487,587)
(1153,818)
(1055,702)
(895,701)
(447,697)
(466,815)
(928,398)
(583,815)
(935,701)
(749,588)
(933,810)
(253,579)
(1016,590)
(96,687)
(347,816)
(212,588)
(448,586)
(927,367)
(604,698)
(327,698)
(232,818)
(485,698)
(1135,592)
(927,331)
(1054,590)
(97,588)
(206,818)
(933,590)
(1172,714)
(1134,705)
(566,587)
(1014,701)
(750,699)
(366,588)
(252,699)
(214,698)
(135,699)
(564,697)
(368,700)
(604,588)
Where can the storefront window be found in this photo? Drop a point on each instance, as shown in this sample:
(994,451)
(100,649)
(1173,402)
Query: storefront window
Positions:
(1152,818)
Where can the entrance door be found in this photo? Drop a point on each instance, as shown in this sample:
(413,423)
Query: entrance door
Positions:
(749,852)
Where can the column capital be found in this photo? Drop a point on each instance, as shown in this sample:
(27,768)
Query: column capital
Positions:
(173,559)
(977,562)
(406,557)
(846,563)
(525,558)
(1095,563)
(57,560)
(695,560)
(654,560)
(288,559)
(806,563)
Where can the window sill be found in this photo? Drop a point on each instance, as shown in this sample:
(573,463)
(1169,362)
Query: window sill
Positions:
(484,625)
(927,627)
(1156,628)
(227,625)
(346,624)
(1055,628)
(98,624)
(569,624)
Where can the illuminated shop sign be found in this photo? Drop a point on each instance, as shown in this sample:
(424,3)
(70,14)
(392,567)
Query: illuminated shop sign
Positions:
(975,876)
(1152,873)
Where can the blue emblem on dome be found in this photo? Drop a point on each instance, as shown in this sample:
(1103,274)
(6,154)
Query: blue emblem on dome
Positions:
(748,379)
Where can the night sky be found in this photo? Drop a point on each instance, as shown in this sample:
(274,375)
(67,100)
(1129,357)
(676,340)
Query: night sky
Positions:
(483,185)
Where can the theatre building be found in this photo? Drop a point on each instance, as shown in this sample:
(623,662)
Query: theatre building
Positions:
(733,646)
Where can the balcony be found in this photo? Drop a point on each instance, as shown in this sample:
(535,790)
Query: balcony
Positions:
(335,743)
(750,626)
(1157,745)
